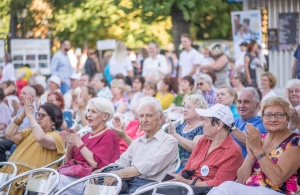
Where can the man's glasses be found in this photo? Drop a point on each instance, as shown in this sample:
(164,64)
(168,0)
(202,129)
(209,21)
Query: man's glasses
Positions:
(40,115)
(200,84)
(278,115)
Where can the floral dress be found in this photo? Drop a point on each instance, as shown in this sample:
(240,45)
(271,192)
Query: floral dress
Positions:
(258,178)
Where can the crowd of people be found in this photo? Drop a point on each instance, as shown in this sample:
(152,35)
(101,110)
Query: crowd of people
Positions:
(235,134)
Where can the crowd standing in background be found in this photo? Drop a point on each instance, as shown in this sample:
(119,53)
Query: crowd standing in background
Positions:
(231,130)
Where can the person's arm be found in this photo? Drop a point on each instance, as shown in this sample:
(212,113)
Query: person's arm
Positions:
(129,69)
(294,68)
(187,144)
(122,108)
(247,64)
(12,132)
(54,65)
(193,71)
(20,74)
(220,63)
(119,129)
(239,135)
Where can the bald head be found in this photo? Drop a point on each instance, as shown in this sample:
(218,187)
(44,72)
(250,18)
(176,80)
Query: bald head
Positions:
(26,92)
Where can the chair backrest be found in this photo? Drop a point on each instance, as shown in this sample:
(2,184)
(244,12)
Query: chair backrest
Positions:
(37,184)
(58,161)
(164,184)
(123,118)
(96,189)
(6,176)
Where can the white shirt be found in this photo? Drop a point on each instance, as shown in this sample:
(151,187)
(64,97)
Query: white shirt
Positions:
(188,59)
(119,68)
(8,73)
(271,93)
(240,61)
(68,96)
(155,66)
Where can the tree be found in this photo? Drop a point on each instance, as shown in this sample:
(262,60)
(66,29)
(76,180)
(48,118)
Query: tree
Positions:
(201,16)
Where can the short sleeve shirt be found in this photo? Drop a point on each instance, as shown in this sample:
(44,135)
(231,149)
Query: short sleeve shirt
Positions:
(188,59)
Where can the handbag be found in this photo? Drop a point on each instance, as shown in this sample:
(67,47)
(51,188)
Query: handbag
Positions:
(75,168)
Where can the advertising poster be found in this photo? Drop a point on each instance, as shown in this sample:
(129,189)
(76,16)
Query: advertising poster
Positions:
(2,51)
(246,26)
(35,52)
(288,30)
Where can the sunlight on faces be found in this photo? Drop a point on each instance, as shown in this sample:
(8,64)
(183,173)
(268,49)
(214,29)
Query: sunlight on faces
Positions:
(24,94)
(189,111)
(246,106)
(223,97)
(186,42)
(94,117)
(184,85)
(265,82)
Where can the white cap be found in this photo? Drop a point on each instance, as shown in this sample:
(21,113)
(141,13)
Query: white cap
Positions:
(75,76)
(55,79)
(219,111)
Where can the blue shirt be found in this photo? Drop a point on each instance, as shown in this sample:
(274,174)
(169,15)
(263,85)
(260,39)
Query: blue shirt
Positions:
(297,56)
(61,66)
(241,124)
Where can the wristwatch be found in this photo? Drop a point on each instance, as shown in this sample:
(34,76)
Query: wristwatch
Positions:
(233,127)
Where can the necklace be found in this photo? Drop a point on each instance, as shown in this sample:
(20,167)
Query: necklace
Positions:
(94,133)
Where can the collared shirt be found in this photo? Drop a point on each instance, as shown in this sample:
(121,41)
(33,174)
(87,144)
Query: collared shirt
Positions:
(61,66)
(153,158)
(241,124)
(8,73)
(210,97)
(219,165)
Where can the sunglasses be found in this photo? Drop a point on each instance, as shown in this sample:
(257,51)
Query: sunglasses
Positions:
(200,84)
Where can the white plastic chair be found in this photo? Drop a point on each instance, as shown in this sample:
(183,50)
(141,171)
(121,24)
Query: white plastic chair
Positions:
(123,118)
(94,189)
(45,186)
(6,176)
(164,184)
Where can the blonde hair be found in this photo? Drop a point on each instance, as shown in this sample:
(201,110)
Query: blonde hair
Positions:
(216,49)
(277,101)
(104,106)
(119,83)
(198,100)
(231,92)
(121,52)
(271,77)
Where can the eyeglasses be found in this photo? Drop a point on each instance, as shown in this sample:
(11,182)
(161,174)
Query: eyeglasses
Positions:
(292,91)
(200,84)
(278,115)
(40,115)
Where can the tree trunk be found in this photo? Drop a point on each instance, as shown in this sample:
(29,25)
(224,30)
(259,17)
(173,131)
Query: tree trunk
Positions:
(180,26)
(12,28)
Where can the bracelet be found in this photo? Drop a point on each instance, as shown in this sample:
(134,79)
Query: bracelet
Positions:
(81,146)
(260,156)
(195,180)
(18,121)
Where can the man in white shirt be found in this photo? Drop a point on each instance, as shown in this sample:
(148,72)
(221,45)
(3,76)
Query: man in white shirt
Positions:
(75,90)
(189,58)
(240,62)
(156,65)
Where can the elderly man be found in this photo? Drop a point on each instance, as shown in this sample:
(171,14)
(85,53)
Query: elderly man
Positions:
(6,144)
(248,106)
(151,156)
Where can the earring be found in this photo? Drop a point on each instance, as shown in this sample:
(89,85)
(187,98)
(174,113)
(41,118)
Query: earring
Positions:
(53,128)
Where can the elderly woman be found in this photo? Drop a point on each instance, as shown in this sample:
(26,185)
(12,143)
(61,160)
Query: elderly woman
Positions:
(190,131)
(217,157)
(228,97)
(186,86)
(273,161)
(168,86)
(38,145)
(220,66)
(268,83)
(97,148)
(119,101)
(292,90)
(206,89)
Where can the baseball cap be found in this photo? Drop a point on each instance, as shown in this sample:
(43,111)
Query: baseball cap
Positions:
(75,76)
(244,44)
(55,79)
(219,111)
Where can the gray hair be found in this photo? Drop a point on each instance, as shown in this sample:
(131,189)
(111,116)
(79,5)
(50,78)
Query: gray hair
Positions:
(198,100)
(119,83)
(292,82)
(253,92)
(206,78)
(151,101)
(103,105)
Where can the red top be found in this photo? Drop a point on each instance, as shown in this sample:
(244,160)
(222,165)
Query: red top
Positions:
(132,132)
(222,163)
(105,148)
